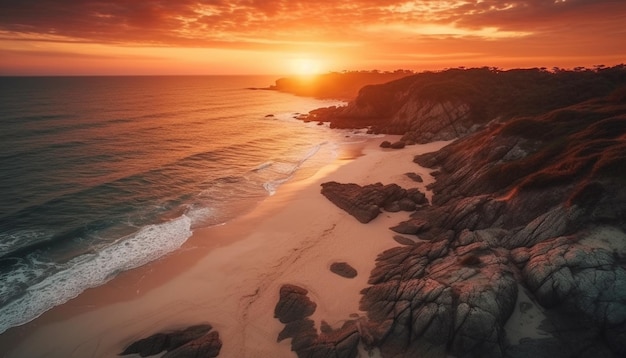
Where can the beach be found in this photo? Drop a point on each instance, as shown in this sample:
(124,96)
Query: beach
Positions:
(229,275)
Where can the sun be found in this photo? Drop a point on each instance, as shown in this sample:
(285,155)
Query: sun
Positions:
(305,66)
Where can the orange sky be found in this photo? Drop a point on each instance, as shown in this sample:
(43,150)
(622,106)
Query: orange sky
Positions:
(57,37)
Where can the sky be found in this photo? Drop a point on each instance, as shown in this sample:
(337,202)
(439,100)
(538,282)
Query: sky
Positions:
(186,37)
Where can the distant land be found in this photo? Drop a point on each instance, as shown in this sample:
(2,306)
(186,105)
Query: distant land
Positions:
(336,85)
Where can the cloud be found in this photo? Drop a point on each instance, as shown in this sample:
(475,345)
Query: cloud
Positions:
(378,28)
(210,22)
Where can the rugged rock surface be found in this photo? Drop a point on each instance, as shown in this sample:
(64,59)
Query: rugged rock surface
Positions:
(195,341)
(534,205)
(365,202)
(439,298)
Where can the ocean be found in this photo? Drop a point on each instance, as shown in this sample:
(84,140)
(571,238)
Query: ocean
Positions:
(99,175)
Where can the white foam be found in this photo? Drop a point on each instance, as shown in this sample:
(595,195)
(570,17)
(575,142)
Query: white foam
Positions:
(148,244)
(289,169)
(8,242)
(272,186)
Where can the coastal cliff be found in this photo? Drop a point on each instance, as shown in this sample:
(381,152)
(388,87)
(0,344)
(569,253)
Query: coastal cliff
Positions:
(522,252)
(445,105)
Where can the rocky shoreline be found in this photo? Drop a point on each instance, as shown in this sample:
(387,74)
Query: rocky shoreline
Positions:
(527,220)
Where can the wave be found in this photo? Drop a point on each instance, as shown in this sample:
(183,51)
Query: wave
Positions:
(91,270)
(289,169)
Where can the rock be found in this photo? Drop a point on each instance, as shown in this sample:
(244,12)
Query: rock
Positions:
(411,227)
(343,269)
(269,116)
(406,204)
(415,177)
(403,240)
(294,304)
(397,145)
(385,144)
(166,341)
(307,341)
(393,207)
(363,203)
(416,196)
(426,302)
(208,346)
(581,279)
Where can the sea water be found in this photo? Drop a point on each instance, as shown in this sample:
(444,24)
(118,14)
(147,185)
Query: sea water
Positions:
(103,174)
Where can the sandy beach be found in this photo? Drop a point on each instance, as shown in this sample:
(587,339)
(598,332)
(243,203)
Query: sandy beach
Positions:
(229,276)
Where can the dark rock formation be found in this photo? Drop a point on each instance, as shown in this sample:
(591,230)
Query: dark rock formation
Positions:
(441,297)
(385,144)
(537,211)
(402,240)
(293,308)
(294,304)
(343,269)
(364,203)
(535,204)
(194,341)
(397,145)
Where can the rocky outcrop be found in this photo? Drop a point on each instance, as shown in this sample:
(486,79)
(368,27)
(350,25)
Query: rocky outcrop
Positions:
(195,341)
(439,298)
(293,309)
(450,104)
(536,206)
(365,202)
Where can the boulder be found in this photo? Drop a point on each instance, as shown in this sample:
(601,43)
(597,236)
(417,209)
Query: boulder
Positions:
(343,269)
(415,177)
(294,304)
(365,202)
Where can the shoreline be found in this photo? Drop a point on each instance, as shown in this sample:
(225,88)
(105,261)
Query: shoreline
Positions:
(219,277)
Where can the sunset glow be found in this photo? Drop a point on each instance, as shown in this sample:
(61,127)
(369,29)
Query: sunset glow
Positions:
(270,37)
(306,66)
